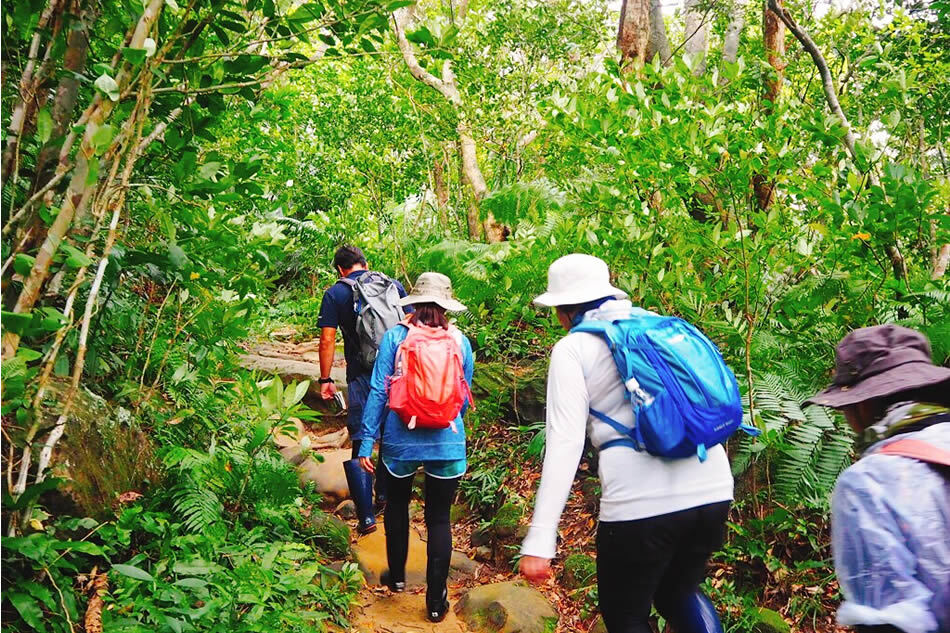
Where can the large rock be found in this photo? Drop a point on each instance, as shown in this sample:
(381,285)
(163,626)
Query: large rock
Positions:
(507,607)
(370,554)
(328,475)
(520,389)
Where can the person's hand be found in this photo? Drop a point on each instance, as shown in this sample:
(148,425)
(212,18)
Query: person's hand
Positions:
(367,465)
(327,390)
(535,568)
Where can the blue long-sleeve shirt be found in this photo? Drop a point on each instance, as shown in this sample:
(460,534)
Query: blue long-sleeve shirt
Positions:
(398,441)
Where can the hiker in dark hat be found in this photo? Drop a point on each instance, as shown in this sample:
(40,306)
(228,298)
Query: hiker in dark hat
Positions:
(890,512)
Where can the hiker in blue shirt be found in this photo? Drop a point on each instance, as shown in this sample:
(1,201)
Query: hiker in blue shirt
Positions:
(440,452)
(890,511)
(337,311)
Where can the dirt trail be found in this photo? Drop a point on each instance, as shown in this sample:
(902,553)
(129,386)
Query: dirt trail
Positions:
(383,612)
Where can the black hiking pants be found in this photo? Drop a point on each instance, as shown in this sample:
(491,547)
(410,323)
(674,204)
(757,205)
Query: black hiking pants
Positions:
(439,495)
(657,561)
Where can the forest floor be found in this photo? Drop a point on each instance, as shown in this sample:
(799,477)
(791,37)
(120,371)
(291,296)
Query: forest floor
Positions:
(380,611)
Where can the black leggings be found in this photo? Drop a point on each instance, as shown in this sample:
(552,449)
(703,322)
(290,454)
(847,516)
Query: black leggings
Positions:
(659,560)
(439,495)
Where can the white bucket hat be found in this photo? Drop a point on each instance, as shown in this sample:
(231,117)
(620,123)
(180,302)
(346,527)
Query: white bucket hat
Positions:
(433,288)
(578,278)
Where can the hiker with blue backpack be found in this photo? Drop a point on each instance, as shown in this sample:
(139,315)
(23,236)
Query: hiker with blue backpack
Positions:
(657,401)
(363,304)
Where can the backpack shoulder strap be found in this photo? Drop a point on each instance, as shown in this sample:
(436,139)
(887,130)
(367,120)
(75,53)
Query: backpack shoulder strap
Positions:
(917,449)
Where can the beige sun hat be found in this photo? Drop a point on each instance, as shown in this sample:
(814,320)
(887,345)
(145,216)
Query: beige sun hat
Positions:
(578,278)
(433,288)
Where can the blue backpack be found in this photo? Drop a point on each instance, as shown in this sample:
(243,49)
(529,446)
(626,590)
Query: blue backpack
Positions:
(685,399)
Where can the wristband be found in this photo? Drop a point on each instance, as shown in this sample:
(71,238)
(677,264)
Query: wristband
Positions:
(325,381)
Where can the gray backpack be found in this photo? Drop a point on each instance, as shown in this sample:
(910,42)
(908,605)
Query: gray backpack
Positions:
(376,304)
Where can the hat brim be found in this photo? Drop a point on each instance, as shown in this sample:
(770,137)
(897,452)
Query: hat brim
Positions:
(575,297)
(450,305)
(903,378)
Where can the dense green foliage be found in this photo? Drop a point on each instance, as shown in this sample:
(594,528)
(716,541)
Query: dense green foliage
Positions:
(216,154)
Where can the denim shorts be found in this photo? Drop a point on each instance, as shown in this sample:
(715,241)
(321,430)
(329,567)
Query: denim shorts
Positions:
(438,468)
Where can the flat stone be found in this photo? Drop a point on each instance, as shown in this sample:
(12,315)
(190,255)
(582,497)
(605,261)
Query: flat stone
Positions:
(506,607)
(484,554)
(328,475)
(346,509)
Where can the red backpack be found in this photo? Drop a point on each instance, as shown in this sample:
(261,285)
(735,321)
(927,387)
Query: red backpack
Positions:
(428,388)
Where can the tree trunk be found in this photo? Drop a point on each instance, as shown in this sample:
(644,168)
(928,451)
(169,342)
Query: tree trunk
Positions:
(447,87)
(659,43)
(634,32)
(80,188)
(64,103)
(940,263)
(730,44)
(441,190)
(697,36)
(773,31)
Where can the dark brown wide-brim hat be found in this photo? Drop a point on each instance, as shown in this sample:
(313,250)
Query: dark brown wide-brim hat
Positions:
(879,361)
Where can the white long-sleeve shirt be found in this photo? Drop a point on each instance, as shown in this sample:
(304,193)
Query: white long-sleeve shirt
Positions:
(635,485)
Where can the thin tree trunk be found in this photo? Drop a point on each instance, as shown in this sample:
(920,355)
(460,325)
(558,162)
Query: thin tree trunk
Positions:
(80,188)
(940,263)
(74,60)
(447,87)
(634,32)
(730,44)
(773,31)
(658,43)
(697,36)
(441,190)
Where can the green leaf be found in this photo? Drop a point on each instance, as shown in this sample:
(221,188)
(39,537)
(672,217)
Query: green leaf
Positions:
(102,137)
(108,86)
(28,354)
(23,264)
(177,256)
(134,56)
(191,583)
(92,173)
(75,257)
(44,125)
(133,572)
(392,6)
(422,35)
(261,431)
(16,322)
(28,609)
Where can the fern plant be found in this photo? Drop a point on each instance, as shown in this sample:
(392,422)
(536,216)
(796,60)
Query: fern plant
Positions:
(808,447)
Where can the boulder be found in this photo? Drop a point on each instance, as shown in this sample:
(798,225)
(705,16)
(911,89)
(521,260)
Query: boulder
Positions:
(346,509)
(483,554)
(507,607)
(768,621)
(520,389)
(370,554)
(328,475)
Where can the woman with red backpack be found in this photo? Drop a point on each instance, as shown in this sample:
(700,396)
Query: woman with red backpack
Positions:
(421,382)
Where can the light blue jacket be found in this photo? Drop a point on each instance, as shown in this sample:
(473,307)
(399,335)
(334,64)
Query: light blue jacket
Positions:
(890,530)
(398,441)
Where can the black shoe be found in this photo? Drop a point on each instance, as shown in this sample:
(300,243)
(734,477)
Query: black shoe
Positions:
(437,612)
(395,586)
(367,528)
(380,506)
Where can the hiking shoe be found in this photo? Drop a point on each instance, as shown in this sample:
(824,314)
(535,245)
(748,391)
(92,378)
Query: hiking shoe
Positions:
(437,612)
(363,530)
(398,586)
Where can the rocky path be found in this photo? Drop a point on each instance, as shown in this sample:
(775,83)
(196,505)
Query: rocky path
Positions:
(318,454)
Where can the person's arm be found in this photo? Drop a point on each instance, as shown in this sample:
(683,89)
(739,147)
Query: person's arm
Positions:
(328,322)
(876,569)
(327,353)
(375,407)
(468,366)
(568,404)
